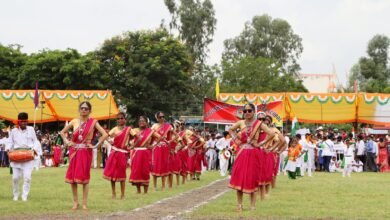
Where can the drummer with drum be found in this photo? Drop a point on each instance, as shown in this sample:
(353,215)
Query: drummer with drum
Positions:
(21,150)
(223,146)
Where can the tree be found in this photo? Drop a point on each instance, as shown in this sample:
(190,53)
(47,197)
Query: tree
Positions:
(57,69)
(12,61)
(195,20)
(268,38)
(149,71)
(258,74)
(356,75)
(373,71)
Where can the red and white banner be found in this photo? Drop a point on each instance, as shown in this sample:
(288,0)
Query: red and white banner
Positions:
(223,113)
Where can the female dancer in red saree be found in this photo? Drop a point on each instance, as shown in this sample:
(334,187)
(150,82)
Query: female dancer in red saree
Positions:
(57,155)
(183,153)
(160,154)
(199,156)
(175,155)
(245,175)
(141,157)
(80,151)
(193,163)
(383,156)
(115,170)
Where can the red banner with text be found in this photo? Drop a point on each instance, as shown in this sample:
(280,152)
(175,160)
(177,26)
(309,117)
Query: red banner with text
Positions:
(223,113)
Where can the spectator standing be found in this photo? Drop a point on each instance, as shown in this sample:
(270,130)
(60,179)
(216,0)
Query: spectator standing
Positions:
(361,148)
(371,155)
(211,152)
(327,151)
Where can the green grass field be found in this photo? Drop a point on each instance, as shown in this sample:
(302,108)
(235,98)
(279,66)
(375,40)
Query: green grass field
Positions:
(363,196)
(51,195)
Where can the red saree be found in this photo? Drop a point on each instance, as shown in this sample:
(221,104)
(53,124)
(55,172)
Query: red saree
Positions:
(262,163)
(160,157)
(141,158)
(245,170)
(269,167)
(276,164)
(383,158)
(80,156)
(192,158)
(183,155)
(174,159)
(57,155)
(116,164)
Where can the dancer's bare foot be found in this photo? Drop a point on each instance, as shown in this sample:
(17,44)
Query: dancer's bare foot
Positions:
(239,208)
(122,197)
(85,208)
(75,206)
(113,196)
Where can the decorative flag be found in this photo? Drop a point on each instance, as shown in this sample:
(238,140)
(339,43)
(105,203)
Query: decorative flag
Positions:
(36,96)
(294,126)
(217,90)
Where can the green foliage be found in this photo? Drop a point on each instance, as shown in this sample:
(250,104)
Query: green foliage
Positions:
(195,20)
(373,72)
(250,74)
(268,38)
(149,70)
(2,125)
(12,61)
(56,69)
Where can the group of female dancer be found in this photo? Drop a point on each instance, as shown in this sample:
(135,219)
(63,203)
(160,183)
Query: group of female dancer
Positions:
(162,151)
(256,164)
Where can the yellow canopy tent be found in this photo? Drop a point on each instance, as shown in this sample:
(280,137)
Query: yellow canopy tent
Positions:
(372,108)
(56,105)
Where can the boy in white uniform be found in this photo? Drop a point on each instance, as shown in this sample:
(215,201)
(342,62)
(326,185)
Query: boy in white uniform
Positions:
(308,149)
(348,158)
(22,136)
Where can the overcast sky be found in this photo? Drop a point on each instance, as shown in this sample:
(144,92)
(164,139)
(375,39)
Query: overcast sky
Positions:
(333,31)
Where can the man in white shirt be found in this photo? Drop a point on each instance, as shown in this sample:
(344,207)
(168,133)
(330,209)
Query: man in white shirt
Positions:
(22,136)
(223,144)
(327,151)
(361,151)
(211,152)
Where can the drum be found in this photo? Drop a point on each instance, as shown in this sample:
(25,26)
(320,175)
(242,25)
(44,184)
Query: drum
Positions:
(227,154)
(22,155)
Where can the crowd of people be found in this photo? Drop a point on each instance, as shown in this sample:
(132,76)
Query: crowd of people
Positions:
(252,152)
(333,151)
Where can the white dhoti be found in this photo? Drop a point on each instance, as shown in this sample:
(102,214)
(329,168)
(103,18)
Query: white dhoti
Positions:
(307,165)
(291,166)
(20,170)
(223,164)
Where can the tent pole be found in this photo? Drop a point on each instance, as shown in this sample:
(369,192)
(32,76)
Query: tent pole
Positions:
(109,110)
